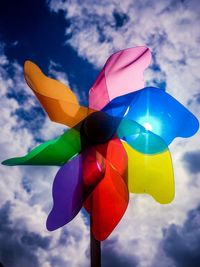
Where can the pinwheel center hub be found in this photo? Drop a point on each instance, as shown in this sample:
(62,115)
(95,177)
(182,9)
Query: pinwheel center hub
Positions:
(99,127)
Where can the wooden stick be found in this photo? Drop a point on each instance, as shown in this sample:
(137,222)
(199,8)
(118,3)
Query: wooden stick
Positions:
(95,249)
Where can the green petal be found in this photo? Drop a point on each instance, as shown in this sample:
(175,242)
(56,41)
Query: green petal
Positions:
(53,152)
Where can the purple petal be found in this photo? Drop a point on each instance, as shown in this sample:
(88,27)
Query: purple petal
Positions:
(67,194)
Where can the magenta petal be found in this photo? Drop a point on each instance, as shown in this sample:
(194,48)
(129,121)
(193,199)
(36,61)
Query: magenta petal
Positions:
(122,74)
(67,194)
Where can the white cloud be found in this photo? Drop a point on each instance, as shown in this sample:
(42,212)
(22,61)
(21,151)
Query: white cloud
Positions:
(171,30)
(29,209)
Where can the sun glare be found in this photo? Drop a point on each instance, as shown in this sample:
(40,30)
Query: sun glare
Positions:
(148,126)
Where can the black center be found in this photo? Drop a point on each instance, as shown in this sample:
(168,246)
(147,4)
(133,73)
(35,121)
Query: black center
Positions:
(99,127)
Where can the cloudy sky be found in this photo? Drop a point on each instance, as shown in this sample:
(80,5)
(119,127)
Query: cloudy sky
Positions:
(70,41)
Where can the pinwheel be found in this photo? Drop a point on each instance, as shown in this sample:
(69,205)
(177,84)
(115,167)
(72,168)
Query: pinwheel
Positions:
(119,144)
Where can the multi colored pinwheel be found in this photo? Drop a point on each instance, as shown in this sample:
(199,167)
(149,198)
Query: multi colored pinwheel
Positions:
(119,144)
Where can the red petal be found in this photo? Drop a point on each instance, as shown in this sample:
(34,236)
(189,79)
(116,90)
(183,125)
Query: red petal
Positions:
(109,199)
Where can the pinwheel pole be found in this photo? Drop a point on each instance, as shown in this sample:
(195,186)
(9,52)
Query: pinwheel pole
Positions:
(95,249)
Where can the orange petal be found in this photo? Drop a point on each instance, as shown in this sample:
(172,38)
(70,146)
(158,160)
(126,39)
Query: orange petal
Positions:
(57,99)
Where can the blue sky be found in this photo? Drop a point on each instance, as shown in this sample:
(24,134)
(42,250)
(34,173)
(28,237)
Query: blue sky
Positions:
(70,41)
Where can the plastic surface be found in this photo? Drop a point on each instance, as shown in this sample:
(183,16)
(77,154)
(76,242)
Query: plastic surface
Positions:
(57,99)
(68,194)
(122,74)
(51,152)
(93,168)
(151,174)
(98,169)
(108,201)
(156,110)
(139,138)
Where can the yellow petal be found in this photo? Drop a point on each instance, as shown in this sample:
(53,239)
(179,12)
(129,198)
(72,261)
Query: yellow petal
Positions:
(151,174)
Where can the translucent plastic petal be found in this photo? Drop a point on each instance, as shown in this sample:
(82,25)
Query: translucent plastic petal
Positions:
(139,138)
(157,111)
(122,74)
(54,152)
(93,171)
(57,99)
(68,194)
(114,153)
(151,174)
(93,167)
(108,201)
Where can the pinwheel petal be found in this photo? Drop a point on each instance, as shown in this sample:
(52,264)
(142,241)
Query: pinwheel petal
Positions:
(68,194)
(108,201)
(54,152)
(151,174)
(57,99)
(122,74)
(114,153)
(139,138)
(157,111)
(93,171)
(93,168)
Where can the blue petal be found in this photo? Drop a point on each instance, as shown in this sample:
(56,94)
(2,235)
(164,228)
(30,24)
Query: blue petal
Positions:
(157,111)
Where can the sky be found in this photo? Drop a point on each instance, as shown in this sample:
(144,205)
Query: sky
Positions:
(70,41)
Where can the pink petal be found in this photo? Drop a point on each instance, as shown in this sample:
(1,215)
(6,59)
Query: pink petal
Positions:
(122,74)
